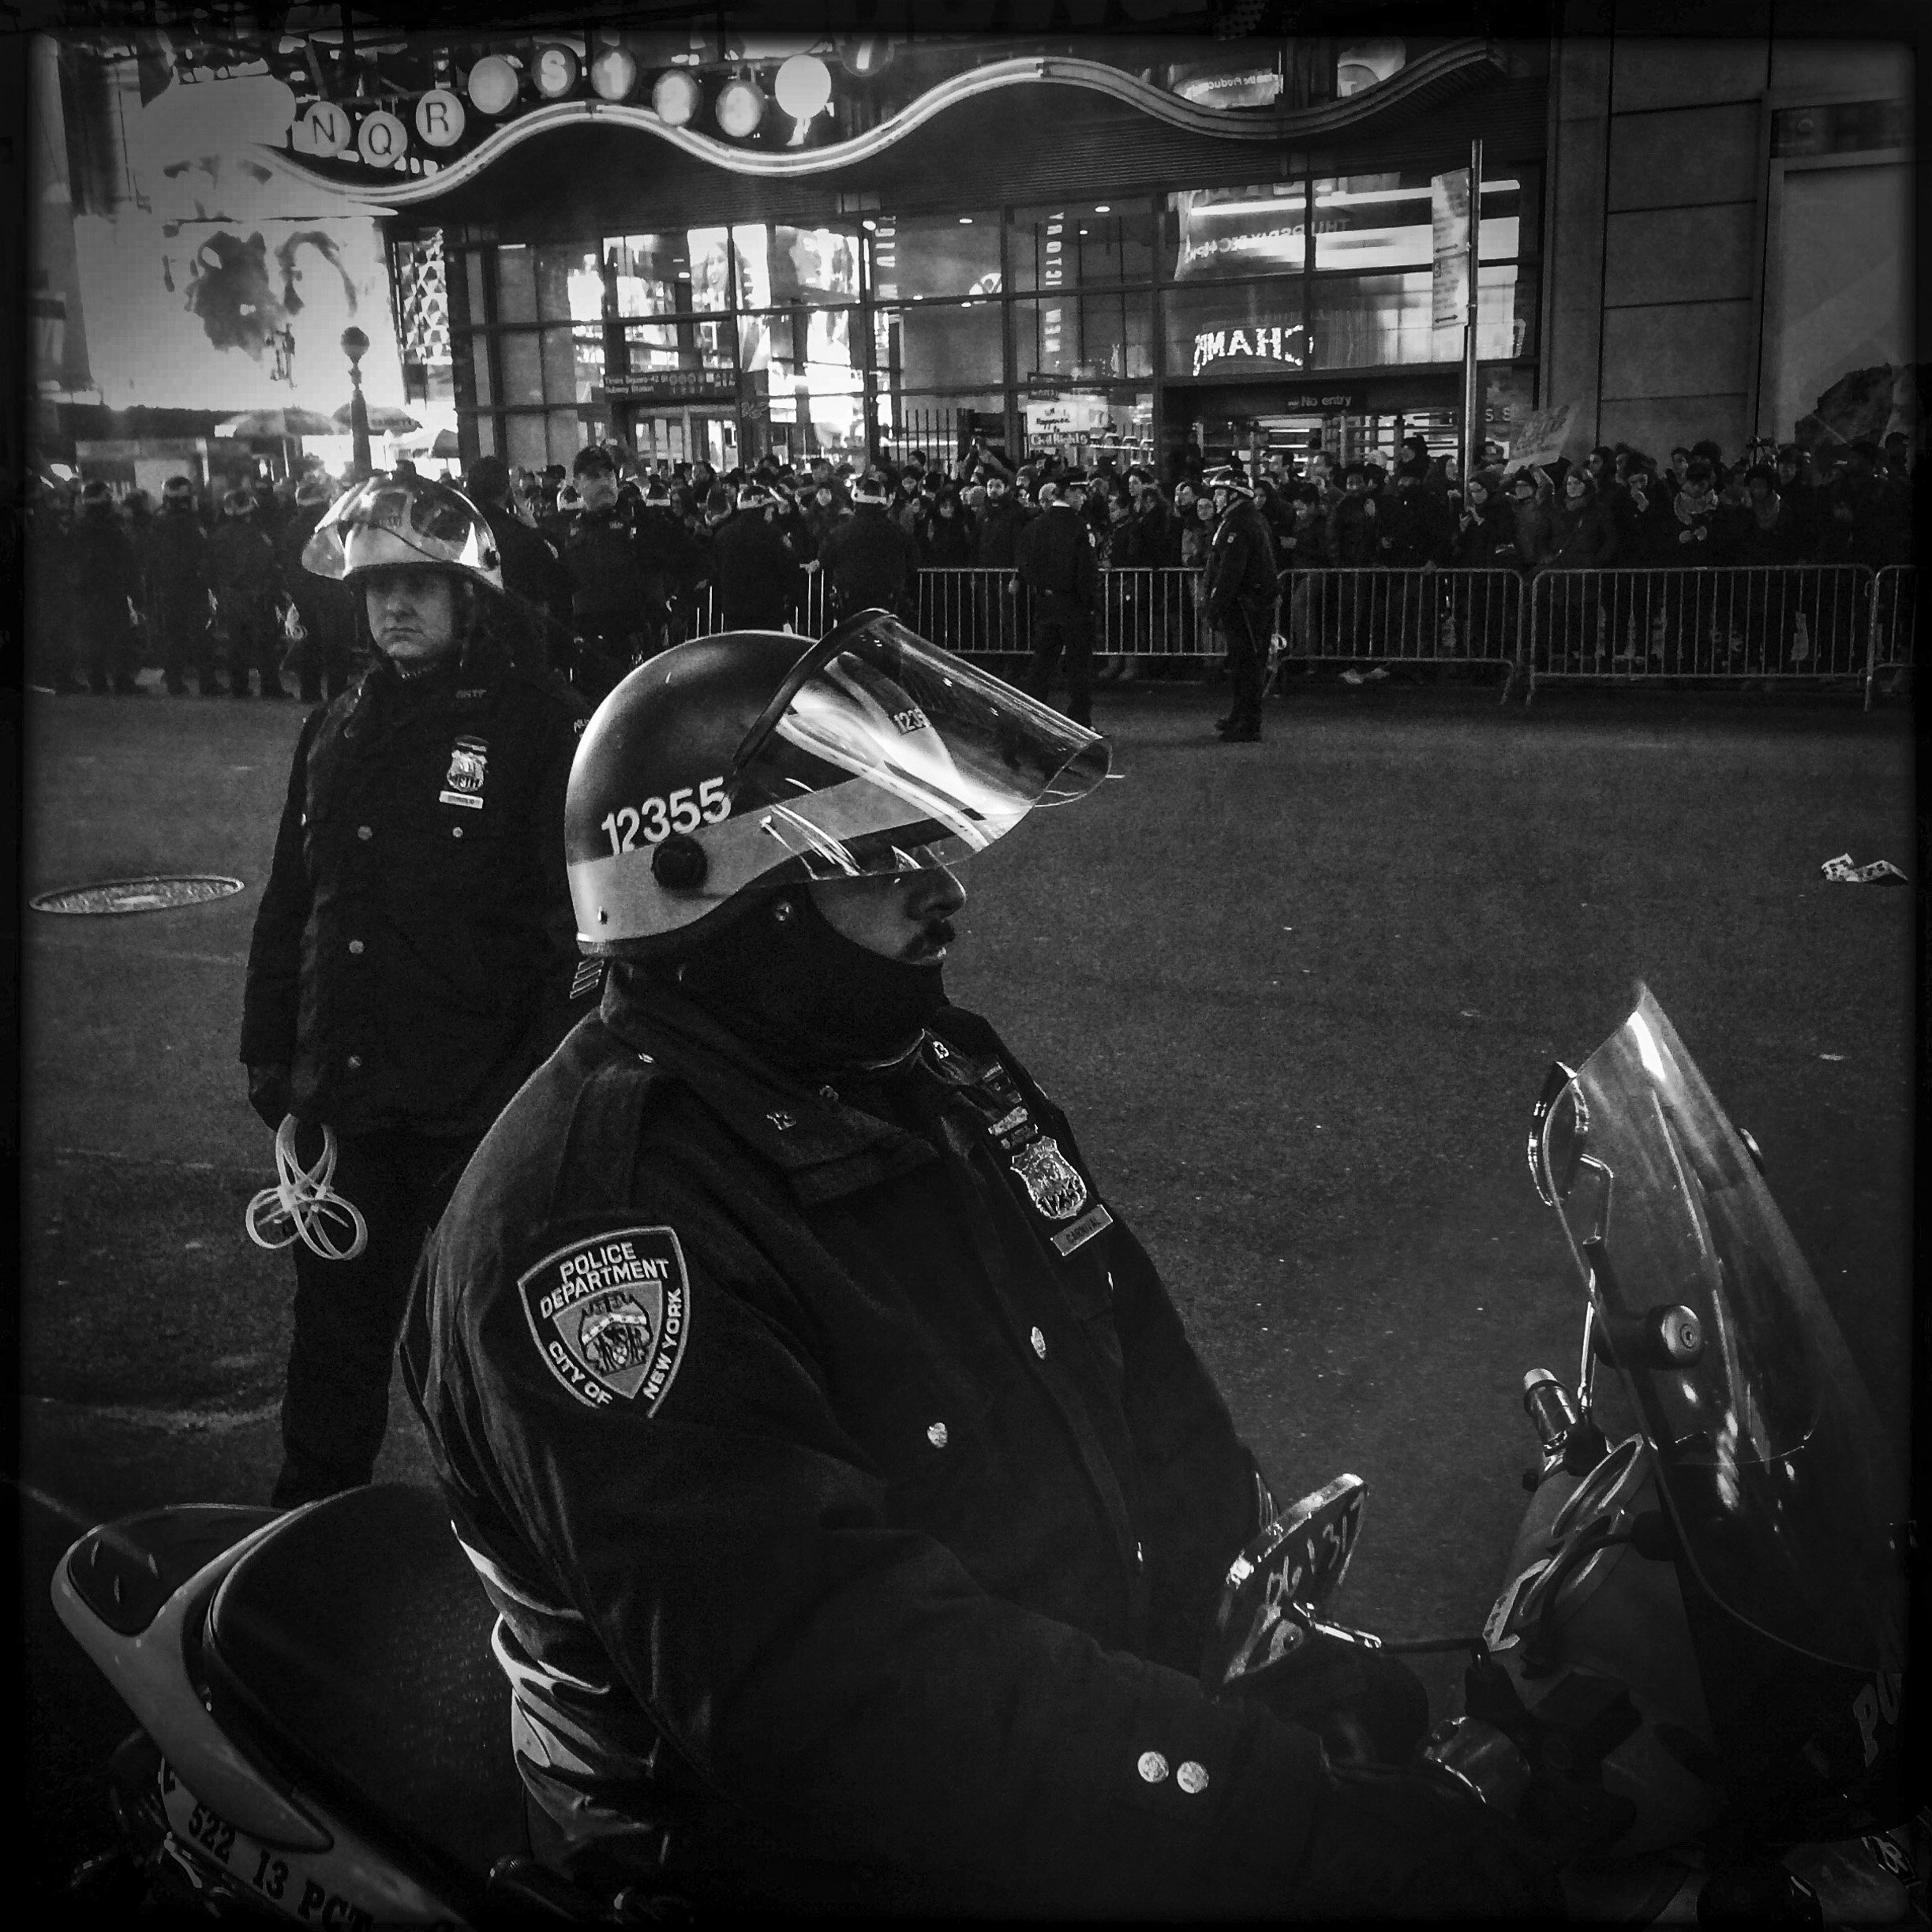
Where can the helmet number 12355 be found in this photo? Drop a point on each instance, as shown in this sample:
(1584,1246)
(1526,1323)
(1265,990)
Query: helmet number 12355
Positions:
(684,811)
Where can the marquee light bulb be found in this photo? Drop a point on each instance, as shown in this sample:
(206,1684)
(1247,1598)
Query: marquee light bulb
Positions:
(613,74)
(740,107)
(675,98)
(492,85)
(803,86)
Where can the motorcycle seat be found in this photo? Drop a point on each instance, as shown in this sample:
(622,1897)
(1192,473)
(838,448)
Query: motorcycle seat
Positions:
(354,1647)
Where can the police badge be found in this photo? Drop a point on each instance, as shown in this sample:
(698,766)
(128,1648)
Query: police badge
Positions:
(610,1315)
(1052,1182)
(468,767)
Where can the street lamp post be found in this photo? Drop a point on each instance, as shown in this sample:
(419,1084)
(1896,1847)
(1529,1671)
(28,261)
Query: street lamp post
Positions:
(355,345)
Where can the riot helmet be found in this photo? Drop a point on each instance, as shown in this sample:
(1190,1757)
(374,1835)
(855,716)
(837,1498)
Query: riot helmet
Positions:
(390,520)
(724,769)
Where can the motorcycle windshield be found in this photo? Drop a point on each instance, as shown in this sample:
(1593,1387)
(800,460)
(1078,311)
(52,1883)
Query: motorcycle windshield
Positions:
(1769,1454)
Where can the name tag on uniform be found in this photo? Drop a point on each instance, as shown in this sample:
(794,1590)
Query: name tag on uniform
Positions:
(1096,1220)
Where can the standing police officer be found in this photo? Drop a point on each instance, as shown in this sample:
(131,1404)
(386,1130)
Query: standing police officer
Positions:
(866,557)
(609,587)
(1241,589)
(751,565)
(853,1505)
(1054,558)
(177,579)
(412,956)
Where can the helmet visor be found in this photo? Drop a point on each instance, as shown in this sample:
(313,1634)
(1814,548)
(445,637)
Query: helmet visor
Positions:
(881,752)
(387,520)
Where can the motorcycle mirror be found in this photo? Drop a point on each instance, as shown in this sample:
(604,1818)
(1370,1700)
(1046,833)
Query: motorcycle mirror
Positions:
(1277,1588)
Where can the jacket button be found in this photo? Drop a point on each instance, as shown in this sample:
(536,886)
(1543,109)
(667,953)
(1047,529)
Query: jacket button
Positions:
(1191,1778)
(355,1062)
(365,831)
(1040,1345)
(355,946)
(456,831)
(937,1435)
(1153,1766)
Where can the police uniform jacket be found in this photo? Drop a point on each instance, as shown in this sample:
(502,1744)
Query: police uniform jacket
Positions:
(853,1503)
(242,565)
(753,571)
(867,557)
(608,577)
(178,555)
(101,570)
(1055,555)
(1241,564)
(415,946)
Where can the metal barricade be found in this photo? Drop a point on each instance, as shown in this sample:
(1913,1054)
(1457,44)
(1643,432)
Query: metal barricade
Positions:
(1152,614)
(1894,627)
(1810,622)
(972,613)
(1387,616)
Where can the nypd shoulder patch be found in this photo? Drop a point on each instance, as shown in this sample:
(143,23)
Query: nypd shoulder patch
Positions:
(611,1315)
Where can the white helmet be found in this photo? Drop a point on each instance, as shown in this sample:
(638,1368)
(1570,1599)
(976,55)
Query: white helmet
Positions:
(390,520)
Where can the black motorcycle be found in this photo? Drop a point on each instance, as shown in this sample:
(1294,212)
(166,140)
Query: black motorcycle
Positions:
(1689,1691)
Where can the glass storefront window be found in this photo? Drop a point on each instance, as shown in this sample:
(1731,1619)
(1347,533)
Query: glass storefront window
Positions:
(1084,424)
(693,344)
(804,364)
(1214,234)
(1097,337)
(486,434)
(567,433)
(1368,321)
(516,283)
(925,255)
(525,446)
(521,358)
(1254,328)
(1383,221)
(480,370)
(781,265)
(473,284)
(1372,221)
(663,274)
(570,285)
(1512,214)
(933,424)
(953,345)
(1073,244)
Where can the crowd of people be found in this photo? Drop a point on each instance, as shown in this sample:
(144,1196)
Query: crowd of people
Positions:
(612,559)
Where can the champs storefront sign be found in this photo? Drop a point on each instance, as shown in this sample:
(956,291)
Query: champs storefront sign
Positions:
(1265,346)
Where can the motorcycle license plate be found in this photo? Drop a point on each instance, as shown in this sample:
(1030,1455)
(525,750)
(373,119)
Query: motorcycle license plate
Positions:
(236,1866)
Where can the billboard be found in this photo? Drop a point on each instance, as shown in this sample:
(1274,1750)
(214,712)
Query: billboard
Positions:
(220,283)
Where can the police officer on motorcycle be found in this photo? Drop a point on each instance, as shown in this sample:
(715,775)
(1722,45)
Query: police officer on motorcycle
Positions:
(412,957)
(853,1503)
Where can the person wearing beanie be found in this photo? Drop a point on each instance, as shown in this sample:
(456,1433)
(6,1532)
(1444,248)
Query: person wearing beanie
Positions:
(178,584)
(247,581)
(103,581)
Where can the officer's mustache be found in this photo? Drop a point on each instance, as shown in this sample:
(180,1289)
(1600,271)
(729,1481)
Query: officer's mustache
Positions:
(936,934)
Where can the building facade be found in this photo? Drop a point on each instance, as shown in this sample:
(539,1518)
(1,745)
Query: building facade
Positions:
(1099,246)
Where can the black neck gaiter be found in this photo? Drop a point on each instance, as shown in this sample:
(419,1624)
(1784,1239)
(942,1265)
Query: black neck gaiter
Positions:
(805,996)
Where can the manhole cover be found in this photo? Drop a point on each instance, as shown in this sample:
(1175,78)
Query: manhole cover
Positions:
(140,895)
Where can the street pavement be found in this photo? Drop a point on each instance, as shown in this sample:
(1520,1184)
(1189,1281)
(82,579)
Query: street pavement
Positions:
(1297,996)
